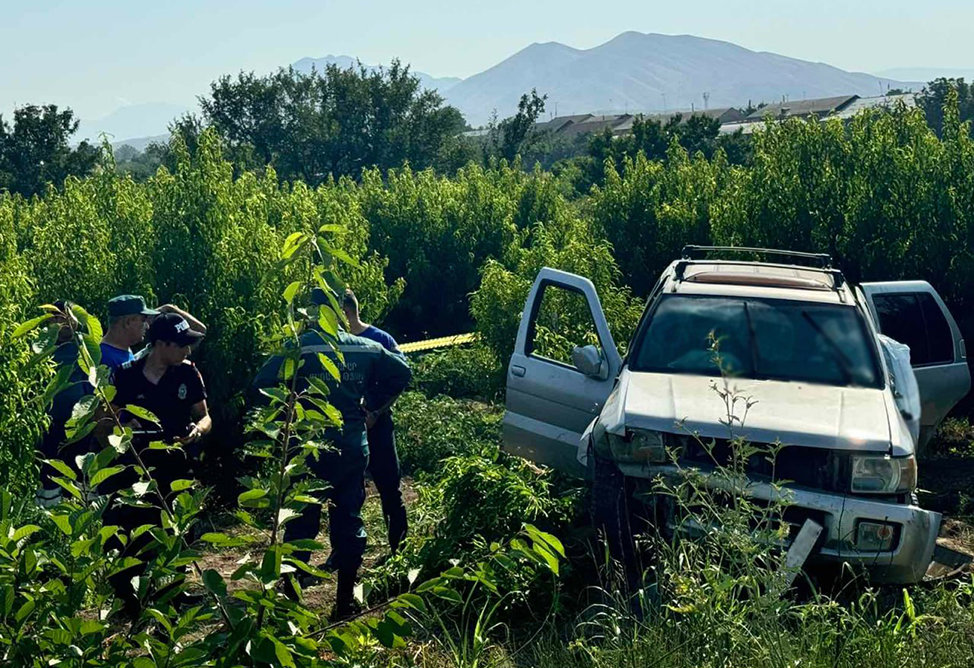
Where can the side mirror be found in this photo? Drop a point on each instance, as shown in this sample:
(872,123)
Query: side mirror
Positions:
(589,360)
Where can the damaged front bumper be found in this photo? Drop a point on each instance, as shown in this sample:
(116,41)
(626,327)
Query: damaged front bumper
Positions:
(849,522)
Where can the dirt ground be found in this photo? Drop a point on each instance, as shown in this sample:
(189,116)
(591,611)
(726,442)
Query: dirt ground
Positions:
(321,596)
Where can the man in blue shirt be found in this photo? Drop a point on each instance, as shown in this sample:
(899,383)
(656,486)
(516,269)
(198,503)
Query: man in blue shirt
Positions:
(383,458)
(128,320)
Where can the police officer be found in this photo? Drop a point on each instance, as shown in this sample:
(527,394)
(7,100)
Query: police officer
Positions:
(164,382)
(368,368)
(128,320)
(383,458)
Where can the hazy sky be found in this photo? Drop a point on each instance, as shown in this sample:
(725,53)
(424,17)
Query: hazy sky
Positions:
(97,55)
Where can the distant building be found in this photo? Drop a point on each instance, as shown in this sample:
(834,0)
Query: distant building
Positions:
(731,119)
(908,100)
(594,124)
(819,108)
(842,107)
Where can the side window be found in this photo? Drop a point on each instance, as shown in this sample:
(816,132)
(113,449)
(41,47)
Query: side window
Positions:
(916,320)
(562,321)
(939,339)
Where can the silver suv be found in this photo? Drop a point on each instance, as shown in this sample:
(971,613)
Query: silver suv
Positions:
(799,340)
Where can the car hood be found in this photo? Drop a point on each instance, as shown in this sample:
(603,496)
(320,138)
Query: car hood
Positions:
(791,412)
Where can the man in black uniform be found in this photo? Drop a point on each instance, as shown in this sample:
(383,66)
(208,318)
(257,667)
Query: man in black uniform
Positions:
(165,383)
(368,368)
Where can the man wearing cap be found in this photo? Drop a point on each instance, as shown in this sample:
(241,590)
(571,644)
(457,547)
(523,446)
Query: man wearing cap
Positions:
(383,458)
(367,368)
(128,319)
(165,383)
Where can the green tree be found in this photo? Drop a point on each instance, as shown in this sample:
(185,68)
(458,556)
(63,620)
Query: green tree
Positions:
(516,135)
(334,123)
(936,94)
(34,150)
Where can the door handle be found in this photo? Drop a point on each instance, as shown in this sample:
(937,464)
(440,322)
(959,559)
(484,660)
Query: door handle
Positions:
(518,371)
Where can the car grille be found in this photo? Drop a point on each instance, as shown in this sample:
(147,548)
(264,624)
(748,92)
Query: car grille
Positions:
(812,468)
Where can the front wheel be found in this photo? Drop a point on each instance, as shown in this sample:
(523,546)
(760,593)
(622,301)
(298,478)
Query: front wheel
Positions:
(613,515)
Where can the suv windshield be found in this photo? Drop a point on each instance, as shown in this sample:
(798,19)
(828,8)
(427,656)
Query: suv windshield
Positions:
(760,339)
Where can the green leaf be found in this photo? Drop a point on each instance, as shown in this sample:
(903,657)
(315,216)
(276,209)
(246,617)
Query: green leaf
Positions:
(282,653)
(291,290)
(90,626)
(251,496)
(71,488)
(413,601)
(339,254)
(285,515)
(105,474)
(311,570)
(63,468)
(328,320)
(161,618)
(540,536)
(294,241)
(94,327)
(63,522)
(181,484)
(25,610)
(330,366)
(448,594)
(142,413)
(275,394)
(214,582)
(31,324)
(93,348)
(24,532)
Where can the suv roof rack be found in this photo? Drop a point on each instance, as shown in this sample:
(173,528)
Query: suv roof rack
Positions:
(820,260)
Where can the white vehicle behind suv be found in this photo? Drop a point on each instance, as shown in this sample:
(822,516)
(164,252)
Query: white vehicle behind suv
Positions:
(797,339)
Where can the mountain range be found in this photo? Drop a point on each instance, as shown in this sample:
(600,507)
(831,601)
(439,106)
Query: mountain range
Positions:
(650,72)
(633,72)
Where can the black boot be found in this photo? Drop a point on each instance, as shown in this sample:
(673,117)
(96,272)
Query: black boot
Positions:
(345,605)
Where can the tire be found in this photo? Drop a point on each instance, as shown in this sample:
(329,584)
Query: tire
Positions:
(612,516)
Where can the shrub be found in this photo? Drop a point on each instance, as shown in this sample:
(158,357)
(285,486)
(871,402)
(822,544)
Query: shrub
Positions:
(430,430)
(472,372)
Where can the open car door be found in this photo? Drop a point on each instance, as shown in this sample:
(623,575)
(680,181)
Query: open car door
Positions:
(564,367)
(913,313)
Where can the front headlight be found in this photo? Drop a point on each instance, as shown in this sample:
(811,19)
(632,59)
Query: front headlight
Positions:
(873,474)
(638,446)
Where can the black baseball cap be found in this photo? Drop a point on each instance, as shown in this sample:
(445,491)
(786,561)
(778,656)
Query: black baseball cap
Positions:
(172,328)
(128,305)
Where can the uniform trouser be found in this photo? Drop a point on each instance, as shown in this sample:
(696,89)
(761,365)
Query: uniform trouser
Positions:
(129,518)
(344,471)
(166,466)
(385,472)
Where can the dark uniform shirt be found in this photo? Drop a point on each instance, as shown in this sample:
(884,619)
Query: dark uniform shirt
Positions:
(369,369)
(171,400)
